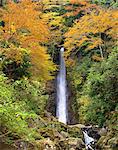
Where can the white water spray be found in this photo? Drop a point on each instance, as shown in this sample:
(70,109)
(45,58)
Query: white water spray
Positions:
(61,111)
(88,141)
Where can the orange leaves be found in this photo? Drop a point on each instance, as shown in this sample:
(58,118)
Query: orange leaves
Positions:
(94,43)
(80,6)
(96,58)
(41,62)
(89,28)
(70,62)
(24,24)
(25,15)
(82,2)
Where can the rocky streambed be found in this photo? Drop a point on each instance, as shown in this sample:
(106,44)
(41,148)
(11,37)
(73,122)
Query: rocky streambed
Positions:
(58,136)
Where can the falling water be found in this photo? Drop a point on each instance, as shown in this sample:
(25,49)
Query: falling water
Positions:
(61,111)
(88,141)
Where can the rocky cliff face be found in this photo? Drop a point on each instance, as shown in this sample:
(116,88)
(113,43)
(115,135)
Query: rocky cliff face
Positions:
(51,103)
(72,107)
(71,103)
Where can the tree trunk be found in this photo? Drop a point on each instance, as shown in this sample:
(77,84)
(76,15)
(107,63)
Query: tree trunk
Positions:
(1,2)
(101,52)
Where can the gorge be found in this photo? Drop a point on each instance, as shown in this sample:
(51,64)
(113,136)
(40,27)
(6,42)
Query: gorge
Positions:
(62,98)
(58,75)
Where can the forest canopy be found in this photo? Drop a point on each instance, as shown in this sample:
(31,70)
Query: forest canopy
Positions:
(31,35)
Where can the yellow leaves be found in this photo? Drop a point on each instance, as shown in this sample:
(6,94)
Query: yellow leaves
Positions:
(25,15)
(23,23)
(13,29)
(70,62)
(55,24)
(14,53)
(68,14)
(89,29)
(54,2)
(82,41)
(84,103)
(41,62)
(52,18)
(94,43)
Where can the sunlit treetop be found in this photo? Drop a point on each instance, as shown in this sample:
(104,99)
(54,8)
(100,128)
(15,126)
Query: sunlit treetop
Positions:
(24,28)
(92,31)
(79,6)
(25,15)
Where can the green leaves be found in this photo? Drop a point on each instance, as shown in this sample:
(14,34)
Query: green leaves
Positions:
(101,87)
(108,3)
(20,104)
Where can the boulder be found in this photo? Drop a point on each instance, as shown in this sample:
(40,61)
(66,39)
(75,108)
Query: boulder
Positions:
(58,135)
(102,132)
(64,134)
(75,131)
(46,144)
(80,126)
(72,144)
(75,142)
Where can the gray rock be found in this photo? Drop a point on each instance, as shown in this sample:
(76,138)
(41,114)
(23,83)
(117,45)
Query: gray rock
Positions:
(80,126)
(103,131)
(75,143)
(64,134)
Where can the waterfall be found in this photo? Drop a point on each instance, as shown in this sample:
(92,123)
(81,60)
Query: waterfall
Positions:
(88,141)
(61,111)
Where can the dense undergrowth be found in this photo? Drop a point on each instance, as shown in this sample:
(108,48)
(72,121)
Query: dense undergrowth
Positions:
(92,51)
(29,50)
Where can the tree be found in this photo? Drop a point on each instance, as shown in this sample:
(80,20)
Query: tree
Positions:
(53,15)
(2,2)
(101,90)
(25,29)
(108,3)
(94,30)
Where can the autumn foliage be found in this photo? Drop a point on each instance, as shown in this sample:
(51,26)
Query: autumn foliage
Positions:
(31,35)
(79,6)
(93,30)
(24,28)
